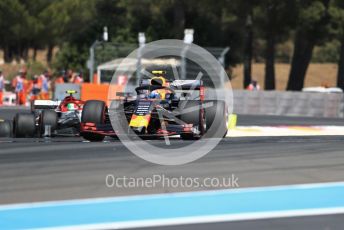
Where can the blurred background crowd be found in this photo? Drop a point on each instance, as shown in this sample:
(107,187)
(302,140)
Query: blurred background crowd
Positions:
(39,86)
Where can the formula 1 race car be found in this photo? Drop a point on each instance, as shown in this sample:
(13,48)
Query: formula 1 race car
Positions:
(50,117)
(159,109)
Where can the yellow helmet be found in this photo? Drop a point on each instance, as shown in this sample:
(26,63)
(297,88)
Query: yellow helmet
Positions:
(158,78)
(158,81)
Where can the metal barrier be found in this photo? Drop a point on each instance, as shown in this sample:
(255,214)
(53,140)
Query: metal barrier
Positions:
(289,103)
(60,90)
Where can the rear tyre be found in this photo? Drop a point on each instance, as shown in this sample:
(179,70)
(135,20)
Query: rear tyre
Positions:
(93,112)
(24,125)
(48,118)
(5,129)
(195,117)
(217,120)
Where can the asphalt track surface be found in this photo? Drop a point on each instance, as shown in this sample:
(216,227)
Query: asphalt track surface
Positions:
(326,222)
(67,168)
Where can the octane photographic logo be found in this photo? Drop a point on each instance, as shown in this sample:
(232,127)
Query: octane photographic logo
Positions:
(170,150)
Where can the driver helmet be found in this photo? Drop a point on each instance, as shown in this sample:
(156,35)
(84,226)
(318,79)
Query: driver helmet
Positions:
(161,81)
(157,81)
(71,107)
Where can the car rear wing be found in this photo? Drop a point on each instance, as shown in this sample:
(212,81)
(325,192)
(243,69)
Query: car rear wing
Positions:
(185,89)
(186,84)
(189,89)
(45,104)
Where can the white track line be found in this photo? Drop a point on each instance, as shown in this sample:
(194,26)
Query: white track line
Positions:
(205,219)
(250,131)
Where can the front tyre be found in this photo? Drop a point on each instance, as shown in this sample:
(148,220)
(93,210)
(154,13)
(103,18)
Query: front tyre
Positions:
(93,112)
(217,119)
(196,117)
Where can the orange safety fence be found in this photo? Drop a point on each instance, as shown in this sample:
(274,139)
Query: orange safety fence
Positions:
(91,91)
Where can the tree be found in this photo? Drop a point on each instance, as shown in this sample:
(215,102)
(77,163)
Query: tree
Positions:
(340,73)
(67,21)
(248,51)
(337,12)
(274,20)
(14,21)
(313,28)
(21,27)
(244,11)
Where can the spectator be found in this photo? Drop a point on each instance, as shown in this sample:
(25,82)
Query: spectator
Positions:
(44,82)
(61,78)
(69,76)
(2,86)
(77,78)
(253,86)
(20,85)
(325,84)
(35,89)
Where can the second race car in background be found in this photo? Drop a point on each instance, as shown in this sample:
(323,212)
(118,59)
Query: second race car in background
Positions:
(49,117)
